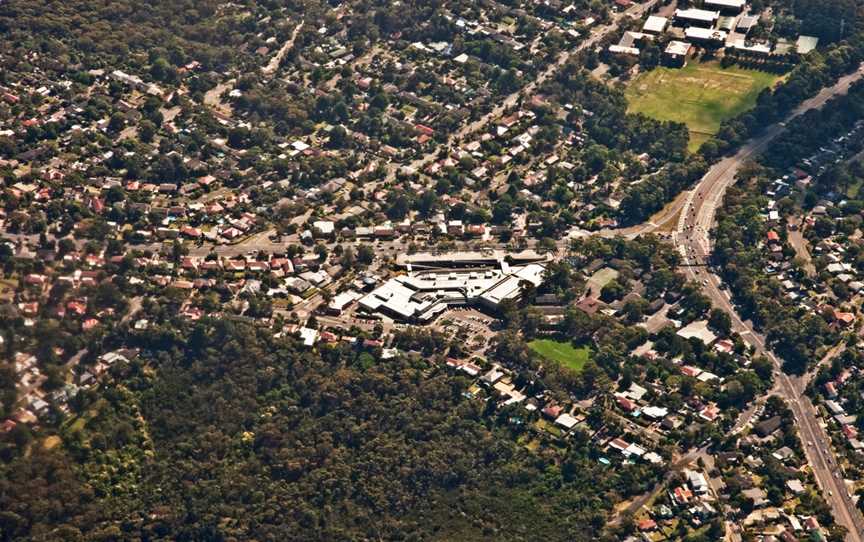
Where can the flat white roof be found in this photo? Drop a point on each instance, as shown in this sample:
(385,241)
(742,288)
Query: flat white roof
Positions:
(698,33)
(621,50)
(655,24)
(308,336)
(737,4)
(806,44)
(699,330)
(423,294)
(343,299)
(679,48)
(507,288)
(697,15)
(762,48)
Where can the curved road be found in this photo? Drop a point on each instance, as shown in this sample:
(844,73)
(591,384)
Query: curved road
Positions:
(692,239)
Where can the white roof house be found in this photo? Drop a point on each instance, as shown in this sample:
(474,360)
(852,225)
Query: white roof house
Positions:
(653,458)
(635,392)
(655,413)
(795,486)
(697,481)
(706,376)
(308,335)
(566,421)
(326,227)
(699,330)
(633,450)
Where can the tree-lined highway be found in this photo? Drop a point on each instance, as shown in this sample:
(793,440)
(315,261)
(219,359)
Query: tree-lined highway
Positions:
(693,241)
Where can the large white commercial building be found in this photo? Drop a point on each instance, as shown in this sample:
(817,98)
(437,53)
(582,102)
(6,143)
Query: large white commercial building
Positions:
(421,296)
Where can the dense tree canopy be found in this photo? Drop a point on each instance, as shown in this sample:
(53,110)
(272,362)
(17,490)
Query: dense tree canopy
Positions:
(240,435)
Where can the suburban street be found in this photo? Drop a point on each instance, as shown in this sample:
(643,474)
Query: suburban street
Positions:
(474,262)
(692,239)
(692,214)
(595,36)
(273,65)
(695,214)
(675,468)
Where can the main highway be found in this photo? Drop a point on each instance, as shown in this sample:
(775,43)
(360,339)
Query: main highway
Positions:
(692,240)
(695,214)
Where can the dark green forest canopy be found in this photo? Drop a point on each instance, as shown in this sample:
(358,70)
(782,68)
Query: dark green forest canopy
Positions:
(236,435)
(114,33)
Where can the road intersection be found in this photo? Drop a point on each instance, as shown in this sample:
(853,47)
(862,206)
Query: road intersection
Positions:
(695,216)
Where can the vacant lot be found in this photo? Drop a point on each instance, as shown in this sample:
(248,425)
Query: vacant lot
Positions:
(563,353)
(701,95)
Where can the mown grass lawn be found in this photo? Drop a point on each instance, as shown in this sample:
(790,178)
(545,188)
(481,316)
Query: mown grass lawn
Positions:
(701,95)
(563,353)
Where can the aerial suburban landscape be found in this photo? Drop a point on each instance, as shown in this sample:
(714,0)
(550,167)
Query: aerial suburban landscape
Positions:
(420,270)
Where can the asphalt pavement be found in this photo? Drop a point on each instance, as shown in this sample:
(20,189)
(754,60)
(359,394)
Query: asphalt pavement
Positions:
(693,241)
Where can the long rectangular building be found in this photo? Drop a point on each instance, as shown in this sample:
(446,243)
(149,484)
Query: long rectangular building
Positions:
(467,259)
(706,36)
(696,17)
(726,6)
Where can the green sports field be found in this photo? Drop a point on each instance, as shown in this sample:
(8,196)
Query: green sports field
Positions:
(701,95)
(562,353)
